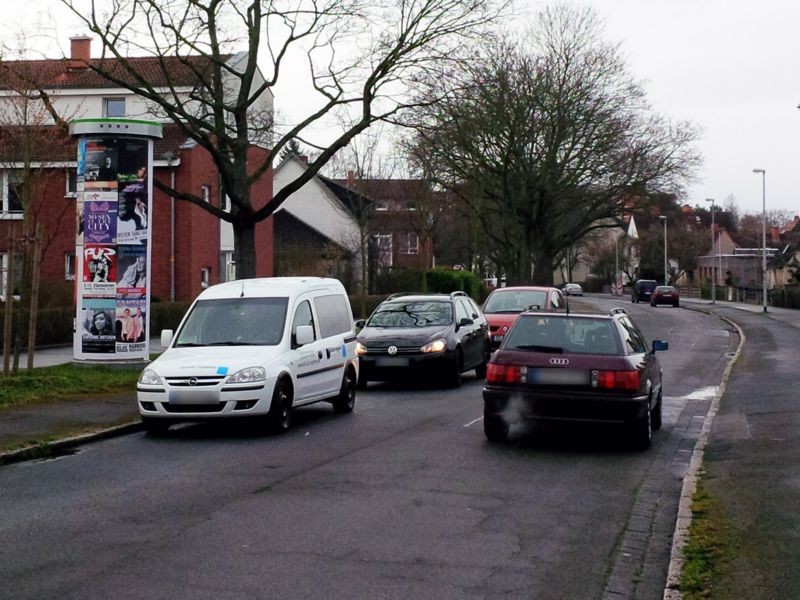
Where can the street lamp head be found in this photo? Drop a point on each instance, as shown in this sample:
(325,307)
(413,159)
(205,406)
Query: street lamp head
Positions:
(759,171)
(662,218)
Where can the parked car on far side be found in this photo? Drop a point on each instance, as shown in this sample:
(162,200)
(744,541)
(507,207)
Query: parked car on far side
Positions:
(665,294)
(504,304)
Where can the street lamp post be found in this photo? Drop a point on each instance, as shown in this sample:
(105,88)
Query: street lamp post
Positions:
(664,219)
(763,173)
(713,258)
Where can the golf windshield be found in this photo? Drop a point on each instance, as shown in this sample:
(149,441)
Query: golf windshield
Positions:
(412,314)
(234,322)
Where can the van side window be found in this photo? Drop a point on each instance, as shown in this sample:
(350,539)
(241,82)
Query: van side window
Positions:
(334,317)
(302,316)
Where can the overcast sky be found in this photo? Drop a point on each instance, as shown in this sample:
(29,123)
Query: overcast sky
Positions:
(730,66)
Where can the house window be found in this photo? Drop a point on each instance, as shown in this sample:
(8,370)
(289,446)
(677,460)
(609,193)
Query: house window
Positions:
(113,107)
(72,183)
(205,277)
(227,266)
(205,192)
(409,243)
(12,192)
(69,266)
(383,244)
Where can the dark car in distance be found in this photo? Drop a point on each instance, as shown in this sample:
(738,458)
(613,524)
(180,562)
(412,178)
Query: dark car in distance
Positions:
(643,289)
(665,294)
(591,368)
(435,336)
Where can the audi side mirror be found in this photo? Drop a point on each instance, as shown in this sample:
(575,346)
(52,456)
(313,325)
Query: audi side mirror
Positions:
(660,346)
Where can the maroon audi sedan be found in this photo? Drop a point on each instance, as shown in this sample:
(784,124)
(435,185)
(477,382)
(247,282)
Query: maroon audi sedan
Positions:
(556,367)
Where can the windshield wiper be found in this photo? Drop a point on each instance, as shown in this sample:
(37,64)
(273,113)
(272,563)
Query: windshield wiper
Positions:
(232,343)
(188,345)
(535,348)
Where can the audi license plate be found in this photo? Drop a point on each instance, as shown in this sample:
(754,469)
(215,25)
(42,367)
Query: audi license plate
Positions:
(193,397)
(546,376)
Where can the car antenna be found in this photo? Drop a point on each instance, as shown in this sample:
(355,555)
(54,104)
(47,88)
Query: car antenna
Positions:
(567,305)
(242,294)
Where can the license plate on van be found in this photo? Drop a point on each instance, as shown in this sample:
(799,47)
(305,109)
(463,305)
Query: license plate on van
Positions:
(193,397)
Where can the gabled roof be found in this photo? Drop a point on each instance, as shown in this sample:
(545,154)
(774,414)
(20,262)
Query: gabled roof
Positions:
(56,73)
(390,191)
(354,201)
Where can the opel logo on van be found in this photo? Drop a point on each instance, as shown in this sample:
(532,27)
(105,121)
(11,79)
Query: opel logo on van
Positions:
(193,381)
(392,350)
(559,361)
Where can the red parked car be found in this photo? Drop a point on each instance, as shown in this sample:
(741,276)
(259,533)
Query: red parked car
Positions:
(504,304)
(591,368)
(665,294)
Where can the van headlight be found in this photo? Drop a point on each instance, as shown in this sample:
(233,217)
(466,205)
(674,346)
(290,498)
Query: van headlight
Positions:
(434,346)
(149,377)
(361,349)
(249,375)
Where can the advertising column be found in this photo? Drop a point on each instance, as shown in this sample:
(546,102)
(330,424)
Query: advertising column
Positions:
(114,241)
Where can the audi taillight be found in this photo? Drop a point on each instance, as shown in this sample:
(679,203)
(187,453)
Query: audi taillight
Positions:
(504,373)
(616,380)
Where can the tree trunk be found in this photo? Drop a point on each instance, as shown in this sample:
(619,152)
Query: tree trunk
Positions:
(244,235)
(362,301)
(36,267)
(542,267)
(9,308)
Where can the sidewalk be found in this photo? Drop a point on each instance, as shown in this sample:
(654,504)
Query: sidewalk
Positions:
(63,423)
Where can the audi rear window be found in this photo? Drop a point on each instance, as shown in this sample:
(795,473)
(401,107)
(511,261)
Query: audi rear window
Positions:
(537,333)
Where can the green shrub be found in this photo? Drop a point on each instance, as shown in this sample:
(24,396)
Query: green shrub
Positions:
(398,280)
(166,315)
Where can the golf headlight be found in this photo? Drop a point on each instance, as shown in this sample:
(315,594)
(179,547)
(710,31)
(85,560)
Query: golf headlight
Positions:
(361,349)
(435,346)
(249,375)
(149,377)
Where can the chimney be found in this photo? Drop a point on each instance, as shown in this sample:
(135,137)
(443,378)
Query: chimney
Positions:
(351,178)
(776,235)
(80,52)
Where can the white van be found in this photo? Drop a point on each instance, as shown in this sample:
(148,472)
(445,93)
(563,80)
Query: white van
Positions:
(254,347)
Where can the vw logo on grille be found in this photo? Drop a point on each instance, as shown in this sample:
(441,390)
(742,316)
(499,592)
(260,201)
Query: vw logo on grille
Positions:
(559,361)
(392,350)
(193,381)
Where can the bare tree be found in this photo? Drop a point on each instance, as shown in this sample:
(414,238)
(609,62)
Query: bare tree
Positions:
(27,145)
(360,55)
(552,138)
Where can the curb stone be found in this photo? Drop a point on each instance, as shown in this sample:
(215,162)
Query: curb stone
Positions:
(684,520)
(45,449)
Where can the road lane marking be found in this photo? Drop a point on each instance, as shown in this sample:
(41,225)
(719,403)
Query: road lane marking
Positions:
(474,421)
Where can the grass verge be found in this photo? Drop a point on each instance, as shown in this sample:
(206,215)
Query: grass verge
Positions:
(50,383)
(707,546)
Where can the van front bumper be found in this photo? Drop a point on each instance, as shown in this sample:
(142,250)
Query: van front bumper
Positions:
(182,403)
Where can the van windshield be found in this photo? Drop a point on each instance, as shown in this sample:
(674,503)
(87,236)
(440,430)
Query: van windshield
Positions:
(234,322)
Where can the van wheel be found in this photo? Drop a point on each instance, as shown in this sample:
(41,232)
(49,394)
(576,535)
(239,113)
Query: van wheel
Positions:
(346,400)
(155,427)
(280,412)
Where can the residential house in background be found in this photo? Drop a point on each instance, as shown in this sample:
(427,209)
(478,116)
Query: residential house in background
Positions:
(319,228)
(402,222)
(191,248)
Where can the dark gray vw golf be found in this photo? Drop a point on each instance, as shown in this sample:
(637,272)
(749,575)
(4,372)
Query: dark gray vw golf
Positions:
(574,367)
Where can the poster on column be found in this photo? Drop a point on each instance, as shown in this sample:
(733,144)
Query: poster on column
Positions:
(131,324)
(131,271)
(97,325)
(99,270)
(100,164)
(100,217)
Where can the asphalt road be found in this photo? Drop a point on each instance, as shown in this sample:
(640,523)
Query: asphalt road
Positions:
(402,499)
